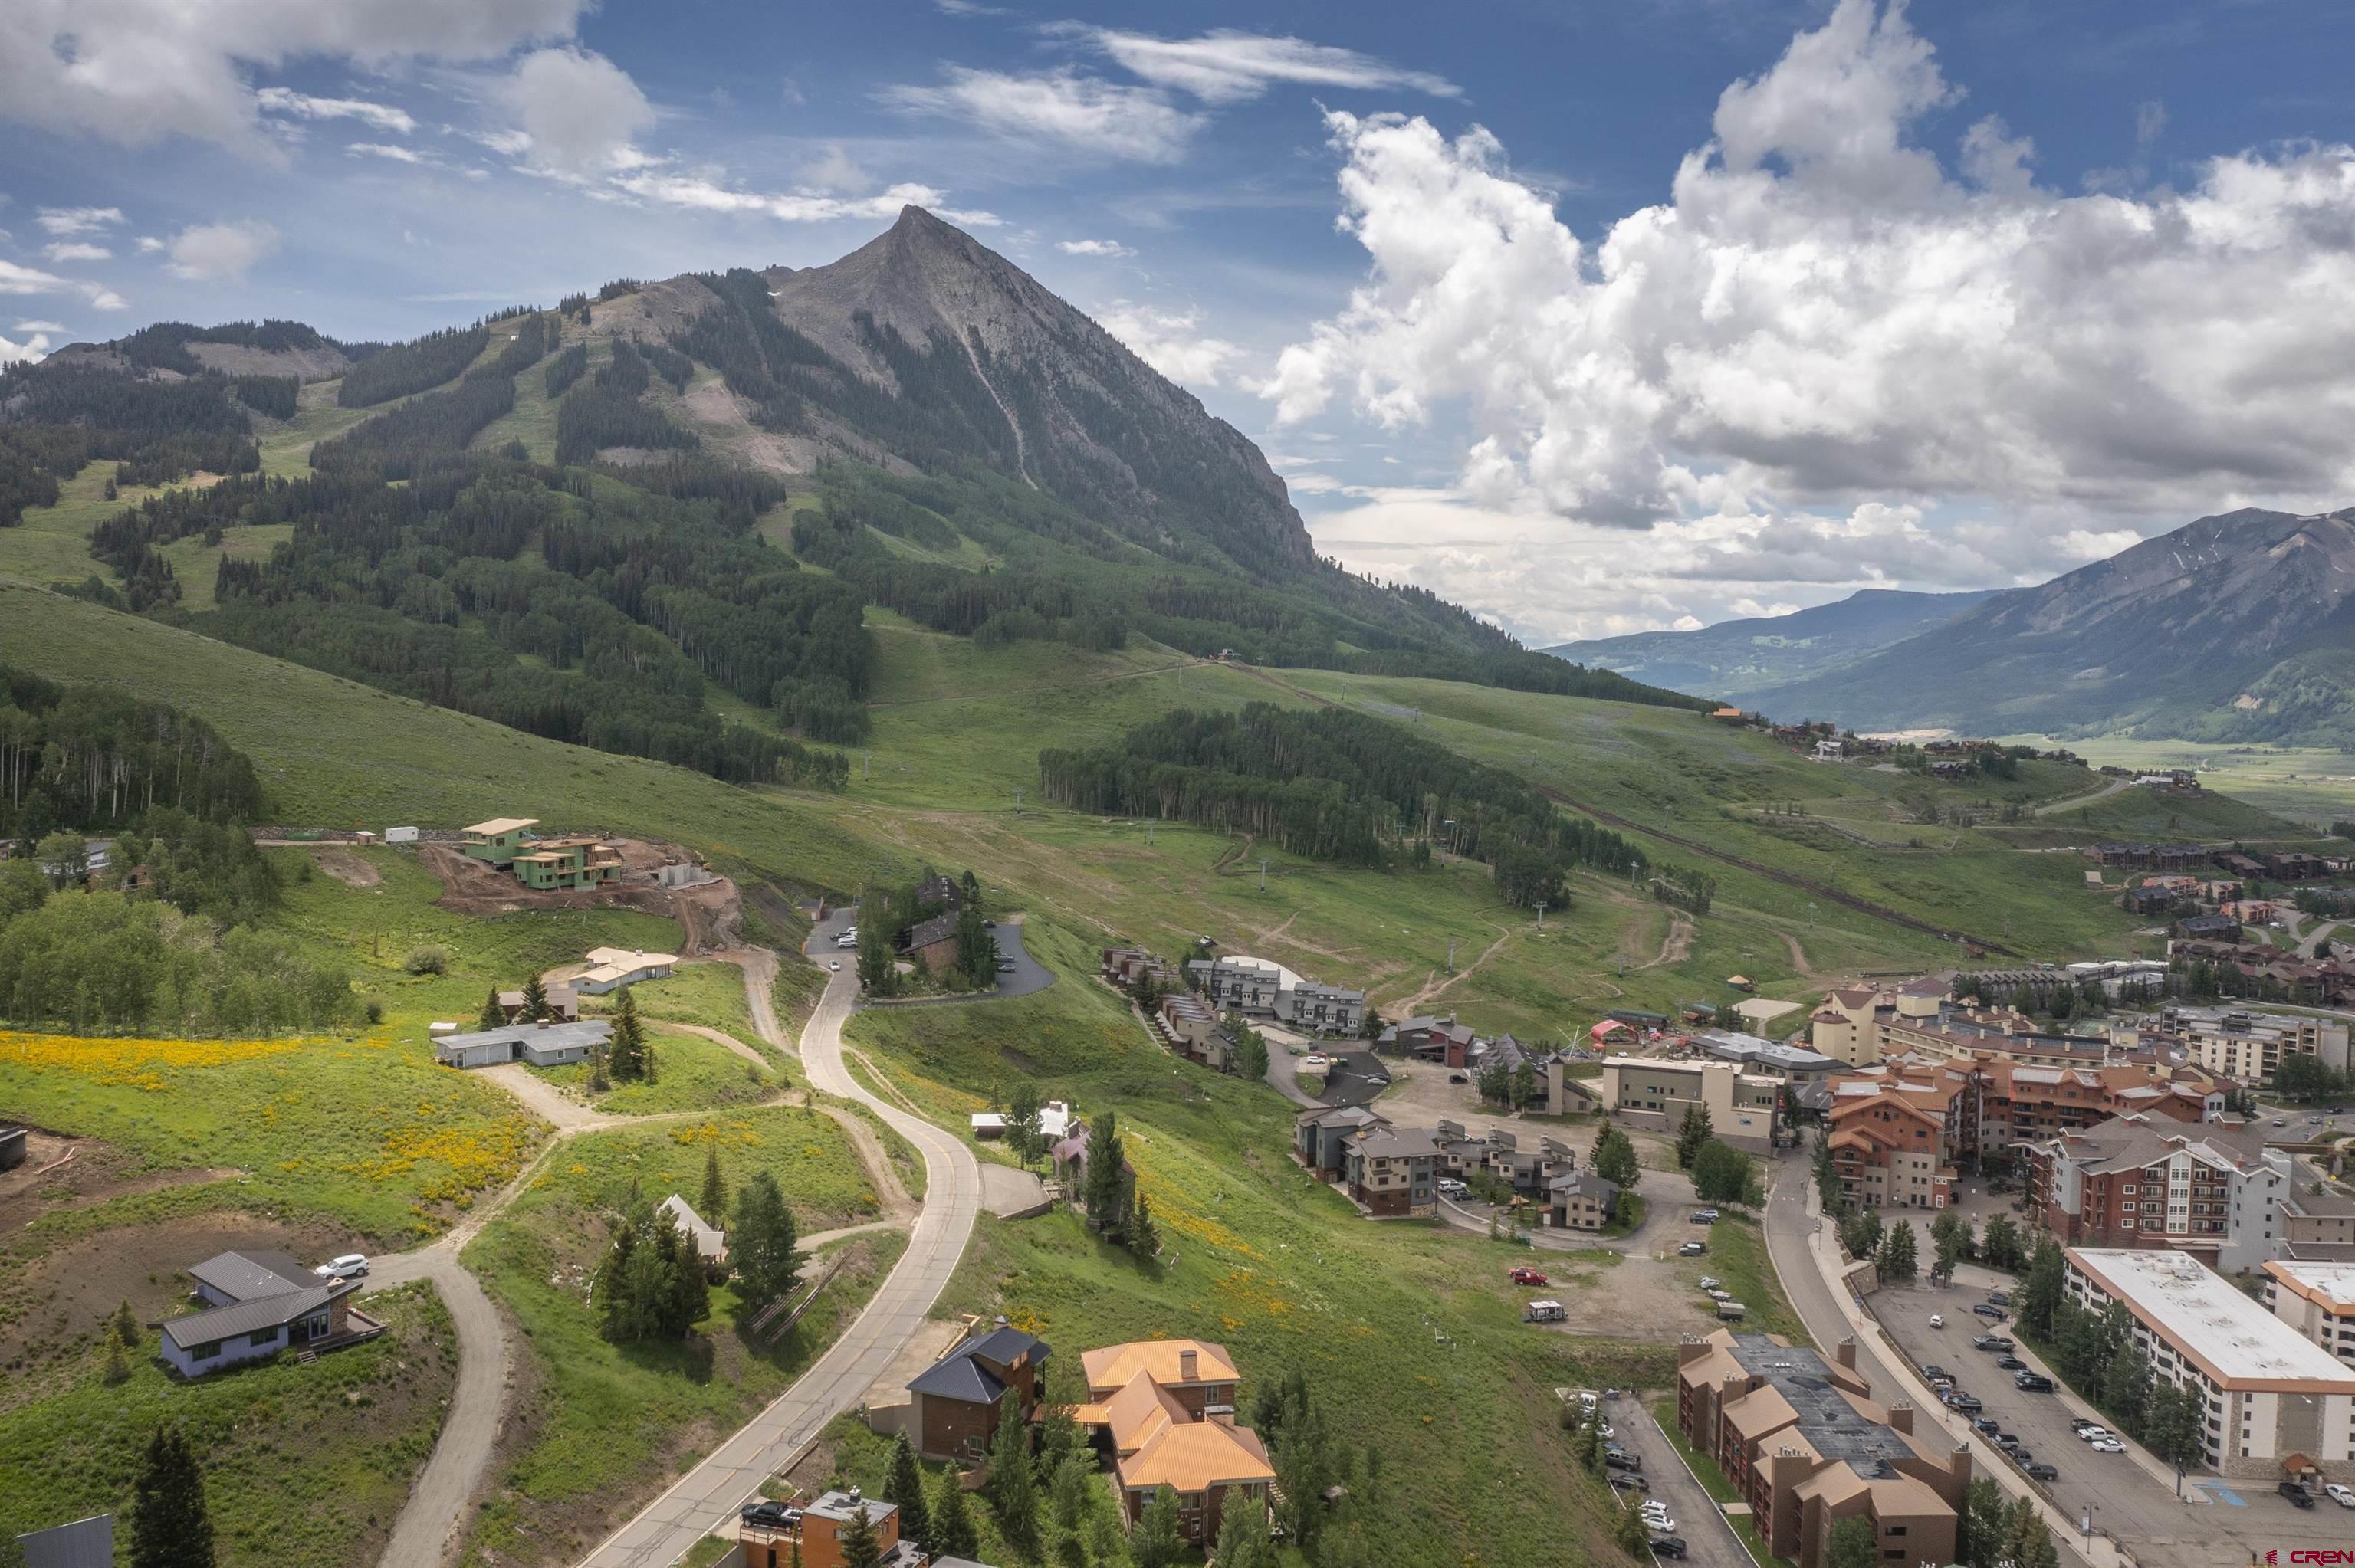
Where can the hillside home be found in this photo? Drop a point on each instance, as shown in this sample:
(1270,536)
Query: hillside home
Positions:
(932,943)
(1167,1408)
(1320,1138)
(1194,1032)
(1806,1447)
(259,1303)
(1261,988)
(709,1241)
(1392,1171)
(566,865)
(542,1044)
(609,969)
(563,1002)
(813,1538)
(1581,1201)
(1425,1039)
(499,841)
(954,1404)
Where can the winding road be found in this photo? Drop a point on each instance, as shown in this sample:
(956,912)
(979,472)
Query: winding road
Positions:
(712,1491)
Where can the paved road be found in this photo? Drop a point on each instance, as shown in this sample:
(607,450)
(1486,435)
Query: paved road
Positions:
(1026,976)
(716,1488)
(1708,1539)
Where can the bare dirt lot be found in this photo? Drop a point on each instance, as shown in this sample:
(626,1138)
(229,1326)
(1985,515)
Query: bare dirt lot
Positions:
(49,1180)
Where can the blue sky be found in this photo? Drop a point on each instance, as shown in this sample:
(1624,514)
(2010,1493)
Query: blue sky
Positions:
(1597,317)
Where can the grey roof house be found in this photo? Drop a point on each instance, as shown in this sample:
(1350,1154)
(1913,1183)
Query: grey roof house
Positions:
(260,1303)
(541,1045)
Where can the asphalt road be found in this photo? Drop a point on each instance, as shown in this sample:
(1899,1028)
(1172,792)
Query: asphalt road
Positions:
(729,1476)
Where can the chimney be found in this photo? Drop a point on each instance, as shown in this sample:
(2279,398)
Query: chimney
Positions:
(854,1495)
(1901,1416)
(1187,1362)
(1001,1321)
(1844,1352)
(543,1022)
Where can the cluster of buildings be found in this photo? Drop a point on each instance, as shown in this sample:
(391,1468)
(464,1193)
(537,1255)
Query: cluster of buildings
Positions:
(1160,1412)
(2242,1043)
(1393,1172)
(1806,1447)
(2319,982)
(542,864)
(1259,988)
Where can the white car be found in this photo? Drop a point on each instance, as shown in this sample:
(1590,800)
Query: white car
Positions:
(1657,1518)
(2093,1433)
(1937,1320)
(1606,1429)
(351,1265)
(2339,1495)
(2108,1445)
(834,965)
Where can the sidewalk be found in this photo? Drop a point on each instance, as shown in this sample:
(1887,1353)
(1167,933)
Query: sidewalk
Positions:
(2098,1550)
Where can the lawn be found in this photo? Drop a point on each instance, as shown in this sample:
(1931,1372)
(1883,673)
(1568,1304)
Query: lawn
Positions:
(306,1466)
(602,1423)
(1737,1255)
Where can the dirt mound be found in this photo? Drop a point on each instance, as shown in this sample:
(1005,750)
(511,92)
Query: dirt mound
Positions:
(707,915)
(345,866)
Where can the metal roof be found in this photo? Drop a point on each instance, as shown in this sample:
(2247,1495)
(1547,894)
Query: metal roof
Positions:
(246,1317)
(247,1275)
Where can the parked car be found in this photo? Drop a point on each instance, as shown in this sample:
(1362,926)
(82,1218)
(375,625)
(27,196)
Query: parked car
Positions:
(1449,1187)
(834,966)
(1628,1481)
(1624,1461)
(1657,1518)
(2107,1445)
(2296,1494)
(2080,1425)
(990,925)
(2279,1122)
(2042,1471)
(1997,1298)
(1704,1217)
(2006,1441)
(1933,1372)
(1966,1403)
(1006,966)
(1524,1274)
(1985,1426)
(351,1265)
(1993,1313)
(2032,1382)
(1992,1342)
(1937,1320)
(1692,1249)
(2340,1495)
(771,1514)
(2010,1363)
(1711,1282)
(1458,1078)
(1668,1546)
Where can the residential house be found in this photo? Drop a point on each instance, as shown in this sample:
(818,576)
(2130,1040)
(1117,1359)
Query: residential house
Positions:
(945,891)
(2270,1399)
(1122,965)
(499,841)
(563,1002)
(609,969)
(817,1529)
(932,943)
(1805,1447)
(2151,899)
(259,1303)
(2210,1190)
(711,1242)
(2297,865)
(2206,928)
(1426,1039)
(1194,1032)
(2320,981)
(1167,1410)
(543,1044)
(566,865)
(955,1403)
(1320,1136)
(1392,1171)
(1581,1201)
(1259,988)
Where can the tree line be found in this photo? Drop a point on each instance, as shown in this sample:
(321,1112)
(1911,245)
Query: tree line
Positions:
(88,757)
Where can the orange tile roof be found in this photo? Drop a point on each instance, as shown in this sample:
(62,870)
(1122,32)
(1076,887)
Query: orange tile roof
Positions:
(1138,1414)
(1197,1456)
(1113,1366)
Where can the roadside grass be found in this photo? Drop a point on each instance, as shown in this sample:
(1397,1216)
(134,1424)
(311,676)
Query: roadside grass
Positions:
(691,1074)
(1737,1255)
(359,1129)
(305,1467)
(606,1423)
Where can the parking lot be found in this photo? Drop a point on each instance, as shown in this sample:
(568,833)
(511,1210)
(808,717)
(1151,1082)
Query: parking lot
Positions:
(2221,1523)
(1708,1540)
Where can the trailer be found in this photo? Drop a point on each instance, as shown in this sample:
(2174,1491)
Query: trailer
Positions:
(1731,1311)
(1544,1312)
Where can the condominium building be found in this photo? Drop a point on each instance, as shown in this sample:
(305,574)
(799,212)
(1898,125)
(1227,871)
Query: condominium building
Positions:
(2268,1392)
(1652,1092)
(2211,1190)
(1805,1447)
(2317,1299)
(1860,1025)
(1262,989)
(2249,1045)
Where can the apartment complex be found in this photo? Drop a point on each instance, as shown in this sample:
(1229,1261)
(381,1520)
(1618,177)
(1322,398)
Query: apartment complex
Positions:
(1861,1025)
(2249,1045)
(1654,1092)
(2317,1299)
(2270,1394)
(1806,1448)
(2211,1190)
(1259,988)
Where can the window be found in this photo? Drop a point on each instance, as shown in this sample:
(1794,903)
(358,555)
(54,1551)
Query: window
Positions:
(263,1337)
(204,1352)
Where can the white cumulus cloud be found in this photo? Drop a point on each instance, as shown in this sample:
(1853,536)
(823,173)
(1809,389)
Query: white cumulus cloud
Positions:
(213,253)
(706,194)
(76,251)
(1828,342)
(580,110)
(1108,247)
(33,348)
(132,72)
(1172,342)
(40,326)
(1086,116)
(15,279)
(391,152)
(302,106)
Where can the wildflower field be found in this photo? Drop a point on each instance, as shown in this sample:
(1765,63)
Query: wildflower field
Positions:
(605,1422)
(359,1129)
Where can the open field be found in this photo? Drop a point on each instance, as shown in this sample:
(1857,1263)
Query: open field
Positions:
(691,1074)
(306,1466)
(601,1423)
(2312,787)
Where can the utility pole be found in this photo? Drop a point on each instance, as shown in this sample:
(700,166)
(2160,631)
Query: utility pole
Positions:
(1262,873)
(1148,835)
(1018,799)
(1540,914)
(1811,914)
(1451,955)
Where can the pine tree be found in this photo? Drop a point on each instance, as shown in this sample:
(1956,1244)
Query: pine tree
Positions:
(955,1534)
(1105,1191)
(126,1327)
(170,1526)
(714,1205)
(597,1080)
(1691,1136)
(859,1547)
(1012,1483)
(1141,1236)
(1632,1534)
(1022,1122)
(1243,1535)
(906,1488)
(1156,1542)
(1069,1487)
(1854,1543)
(535,1000)
(493,1016)
(761,1247)
(629,1040)
(118,1365)
(1897,1261)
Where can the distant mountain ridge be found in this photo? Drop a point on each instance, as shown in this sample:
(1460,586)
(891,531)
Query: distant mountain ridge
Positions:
(2239,627)
(1735,659)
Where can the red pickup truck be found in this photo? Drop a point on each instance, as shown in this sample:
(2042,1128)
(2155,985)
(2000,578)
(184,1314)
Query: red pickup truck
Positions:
(1527,1276)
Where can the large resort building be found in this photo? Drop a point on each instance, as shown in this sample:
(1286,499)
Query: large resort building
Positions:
(2274,1404)
(1805,1445)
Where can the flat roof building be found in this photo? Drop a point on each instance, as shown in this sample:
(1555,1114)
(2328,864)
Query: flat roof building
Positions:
(2272,1399)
